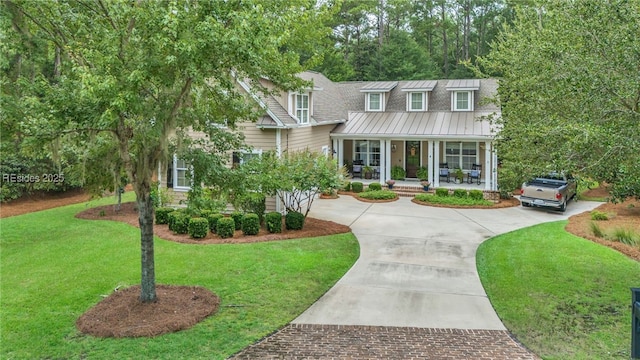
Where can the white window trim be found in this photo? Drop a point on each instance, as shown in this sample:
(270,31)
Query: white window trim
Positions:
(308,108)
(292,106)
(454,98)
(424,100)
(460,155)
(174,173)
(382,102)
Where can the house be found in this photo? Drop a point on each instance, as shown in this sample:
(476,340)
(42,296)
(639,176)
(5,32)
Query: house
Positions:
(380,124)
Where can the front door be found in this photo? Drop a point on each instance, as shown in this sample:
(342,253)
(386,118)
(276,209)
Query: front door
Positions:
(413,158)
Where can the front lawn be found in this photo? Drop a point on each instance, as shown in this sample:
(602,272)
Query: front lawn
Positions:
(562,296)
(55,267)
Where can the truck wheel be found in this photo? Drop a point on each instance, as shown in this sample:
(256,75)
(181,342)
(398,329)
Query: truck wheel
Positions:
(563,207)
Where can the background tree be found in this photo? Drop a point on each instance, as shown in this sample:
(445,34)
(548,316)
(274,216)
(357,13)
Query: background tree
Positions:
(570,91)
(142,74)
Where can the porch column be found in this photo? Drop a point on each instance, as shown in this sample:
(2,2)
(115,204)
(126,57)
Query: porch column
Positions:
(338,145)
(386,175)
(488,170)
(436,162)
(430,167)
(494,170)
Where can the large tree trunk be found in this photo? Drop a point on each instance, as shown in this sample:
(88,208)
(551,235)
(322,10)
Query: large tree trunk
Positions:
(148,276)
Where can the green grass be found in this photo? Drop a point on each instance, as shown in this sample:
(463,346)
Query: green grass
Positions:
(452,200)
(562,296)
(55,267)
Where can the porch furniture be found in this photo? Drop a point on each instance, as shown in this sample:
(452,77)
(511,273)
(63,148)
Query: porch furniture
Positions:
(476,170)
(444,171)
(357,169)
(376,173)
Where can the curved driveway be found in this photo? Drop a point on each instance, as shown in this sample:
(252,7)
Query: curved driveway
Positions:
(417,263)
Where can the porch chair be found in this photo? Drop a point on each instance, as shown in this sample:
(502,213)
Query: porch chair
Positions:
(444,171)
(476,170)
(357,169)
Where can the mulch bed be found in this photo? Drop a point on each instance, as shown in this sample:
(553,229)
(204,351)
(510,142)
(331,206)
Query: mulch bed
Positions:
(122,314)
(42,200)
(129,214)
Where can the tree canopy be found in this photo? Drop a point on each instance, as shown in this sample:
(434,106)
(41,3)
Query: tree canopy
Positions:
(570,92)
(135,77)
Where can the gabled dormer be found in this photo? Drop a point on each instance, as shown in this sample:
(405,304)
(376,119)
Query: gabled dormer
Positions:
(300,104)
(463,93)
(418,94)
(377,94)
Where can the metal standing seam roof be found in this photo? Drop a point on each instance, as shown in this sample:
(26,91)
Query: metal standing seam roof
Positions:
(415,85)
(463,84)
(413,124)
(383,86)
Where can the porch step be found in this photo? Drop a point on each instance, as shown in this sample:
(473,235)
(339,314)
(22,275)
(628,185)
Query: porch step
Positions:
(410,191)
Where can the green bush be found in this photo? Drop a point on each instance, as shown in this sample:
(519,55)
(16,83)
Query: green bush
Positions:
(250,224)
(274,222)
(205,213)
(357,187)
(347,186)
(598,215)
(378,195)
(374,187)
(162,215)
(213,221)
(294,220)
(254,203)
(237,217)
(226,227)
(179,222)
(442,192)
(460,193)
(476,194)
(422,173)
(198,227)
(398,173)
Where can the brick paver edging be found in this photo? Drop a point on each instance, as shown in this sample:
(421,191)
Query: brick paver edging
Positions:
(302,341)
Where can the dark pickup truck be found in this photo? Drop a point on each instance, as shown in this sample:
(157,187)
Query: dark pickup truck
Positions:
(553,191)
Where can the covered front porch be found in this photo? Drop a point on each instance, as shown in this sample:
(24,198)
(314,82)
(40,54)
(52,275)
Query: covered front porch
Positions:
(403,159)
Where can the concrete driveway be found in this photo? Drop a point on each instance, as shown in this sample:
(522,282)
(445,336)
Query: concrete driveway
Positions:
(417,263)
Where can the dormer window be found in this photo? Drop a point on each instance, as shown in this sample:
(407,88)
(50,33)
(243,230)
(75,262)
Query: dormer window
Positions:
(417,101)
(462,101)
(375,102)
(302,108)
(462,93)
(376,94)
(417,90)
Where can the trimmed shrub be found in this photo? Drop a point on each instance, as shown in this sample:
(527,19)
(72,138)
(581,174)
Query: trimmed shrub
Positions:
(357,187)
(179,222)
(162,215)
(198,227)
(213,221)
(460,193)
(347,186)
(476,194)
(378,195)
(254,203)
(205,213)
(250,224)
(598,215)
(294,220)
(237,217)
(226,227)
(442,192)
(274,222)
(374,187)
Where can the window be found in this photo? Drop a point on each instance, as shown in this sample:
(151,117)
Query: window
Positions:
(241,157)
(461,154)
(417,101)
(180,178)
(375,102)
(367,151)
(302,108)
(462,101)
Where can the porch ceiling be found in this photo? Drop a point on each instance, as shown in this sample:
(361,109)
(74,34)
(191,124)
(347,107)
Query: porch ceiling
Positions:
(417,124)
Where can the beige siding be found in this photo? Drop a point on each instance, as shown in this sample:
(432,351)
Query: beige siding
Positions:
(397,157)
(312,138)
(263,139)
